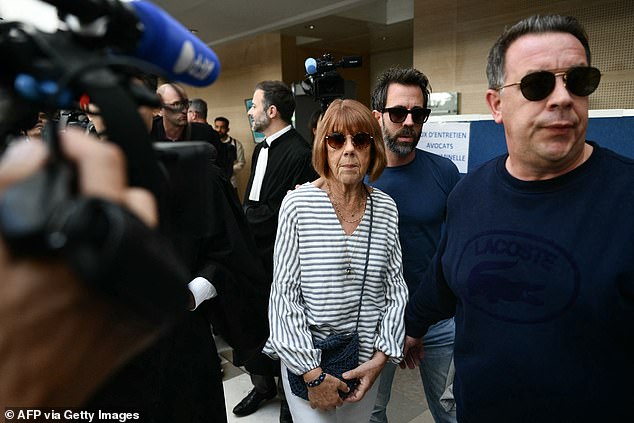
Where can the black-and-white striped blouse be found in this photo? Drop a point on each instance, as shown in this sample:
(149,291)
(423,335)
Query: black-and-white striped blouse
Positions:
(318,275)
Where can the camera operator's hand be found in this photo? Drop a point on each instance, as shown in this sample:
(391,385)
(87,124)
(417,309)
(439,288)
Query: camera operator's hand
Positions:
(58,339)
(101,171)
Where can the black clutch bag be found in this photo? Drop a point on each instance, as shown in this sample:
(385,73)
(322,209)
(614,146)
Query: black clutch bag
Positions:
(339,351)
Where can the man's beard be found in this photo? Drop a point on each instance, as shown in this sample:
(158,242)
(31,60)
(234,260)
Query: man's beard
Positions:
(401,148)
(260,124)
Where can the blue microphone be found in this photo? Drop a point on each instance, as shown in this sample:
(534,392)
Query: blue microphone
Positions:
(143,30)
(169,45)
(311,66)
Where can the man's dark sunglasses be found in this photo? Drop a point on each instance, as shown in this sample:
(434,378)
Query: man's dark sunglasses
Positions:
(580,81)
(179,106)
(399,114)
(360,140)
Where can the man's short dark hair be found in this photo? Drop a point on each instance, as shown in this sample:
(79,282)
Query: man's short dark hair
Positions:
(278,94)
(535,24)
(222,119)
(399,75)
(199,106)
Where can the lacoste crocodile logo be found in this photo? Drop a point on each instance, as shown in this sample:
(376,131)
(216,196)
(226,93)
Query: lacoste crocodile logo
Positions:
(517,277)
(484,280)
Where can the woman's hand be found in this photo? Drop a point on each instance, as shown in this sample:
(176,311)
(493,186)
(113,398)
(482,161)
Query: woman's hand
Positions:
(367,374)
(325,396)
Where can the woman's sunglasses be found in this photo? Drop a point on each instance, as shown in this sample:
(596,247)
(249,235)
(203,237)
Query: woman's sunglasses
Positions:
(580,81)
(360,140)
(399,114)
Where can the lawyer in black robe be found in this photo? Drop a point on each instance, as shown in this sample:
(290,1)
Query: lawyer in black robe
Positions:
(289,164)
(179,379)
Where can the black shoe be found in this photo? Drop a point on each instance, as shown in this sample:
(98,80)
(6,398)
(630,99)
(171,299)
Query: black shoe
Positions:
(252,402)
(285,412)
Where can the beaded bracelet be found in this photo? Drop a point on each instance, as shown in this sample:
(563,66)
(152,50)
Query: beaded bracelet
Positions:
(317,381)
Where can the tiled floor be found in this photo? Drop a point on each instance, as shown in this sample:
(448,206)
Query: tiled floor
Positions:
(408,404)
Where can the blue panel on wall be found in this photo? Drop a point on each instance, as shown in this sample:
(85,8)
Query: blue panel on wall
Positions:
(487,138)
(616,133)
(486,142)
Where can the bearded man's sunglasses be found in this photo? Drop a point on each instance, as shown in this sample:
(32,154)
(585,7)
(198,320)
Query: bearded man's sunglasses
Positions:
(399,114)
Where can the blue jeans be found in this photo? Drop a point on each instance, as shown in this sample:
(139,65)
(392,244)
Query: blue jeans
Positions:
(433,372)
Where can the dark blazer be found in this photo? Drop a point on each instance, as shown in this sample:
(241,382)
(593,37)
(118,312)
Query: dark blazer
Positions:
(224,154)
(209,231)
(178,379)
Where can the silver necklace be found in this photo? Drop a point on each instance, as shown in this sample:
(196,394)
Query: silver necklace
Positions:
(337,207)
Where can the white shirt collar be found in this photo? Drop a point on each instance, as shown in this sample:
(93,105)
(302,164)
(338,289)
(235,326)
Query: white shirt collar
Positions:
(276,135)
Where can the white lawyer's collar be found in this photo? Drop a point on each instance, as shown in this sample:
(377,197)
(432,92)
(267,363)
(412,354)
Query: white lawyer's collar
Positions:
(276,135)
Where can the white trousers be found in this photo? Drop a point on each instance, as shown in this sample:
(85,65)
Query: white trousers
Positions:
(349,412)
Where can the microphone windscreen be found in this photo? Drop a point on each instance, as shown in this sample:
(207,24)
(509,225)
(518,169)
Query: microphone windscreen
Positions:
(311,66)
(172,47)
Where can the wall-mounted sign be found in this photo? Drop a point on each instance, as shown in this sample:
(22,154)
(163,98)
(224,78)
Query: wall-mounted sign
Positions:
(450,139)
(443,104)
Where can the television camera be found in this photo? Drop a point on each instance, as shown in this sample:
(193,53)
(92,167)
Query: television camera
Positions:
(103,47)
(323,81)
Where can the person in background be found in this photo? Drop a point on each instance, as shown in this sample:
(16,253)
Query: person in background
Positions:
(315,117)
(221,125)
(36,131)
(536,262)
(337,253)
(31,128)
(197,111)
(419,182)
(173,125)
(280,162)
